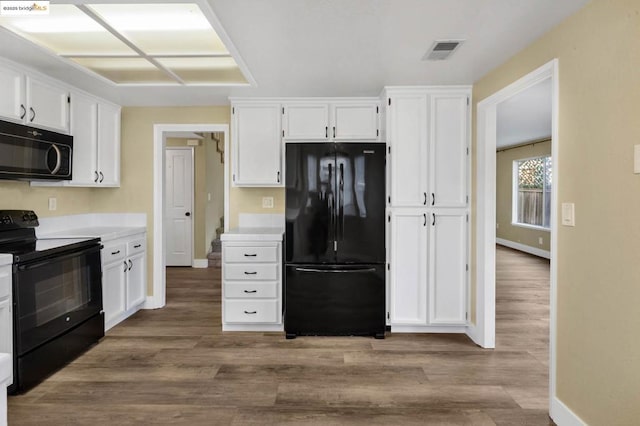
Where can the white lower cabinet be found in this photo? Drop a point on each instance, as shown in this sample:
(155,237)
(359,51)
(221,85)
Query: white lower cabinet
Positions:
(124,271)
(251,286)
(6,315)
(428,270)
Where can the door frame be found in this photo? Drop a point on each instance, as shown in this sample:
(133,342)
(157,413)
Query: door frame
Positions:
(483,332)
(193,191)
(158,300)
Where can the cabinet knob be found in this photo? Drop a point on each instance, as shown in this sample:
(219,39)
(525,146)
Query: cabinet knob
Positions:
(187,214)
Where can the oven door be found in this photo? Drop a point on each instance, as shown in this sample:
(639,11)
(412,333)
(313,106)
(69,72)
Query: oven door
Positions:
(53,295)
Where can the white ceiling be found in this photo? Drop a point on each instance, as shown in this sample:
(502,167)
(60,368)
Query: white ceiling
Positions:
(525,117)
(338,47)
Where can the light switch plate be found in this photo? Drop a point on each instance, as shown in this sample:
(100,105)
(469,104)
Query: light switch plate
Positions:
(568,214)
(267,202)
(636,159)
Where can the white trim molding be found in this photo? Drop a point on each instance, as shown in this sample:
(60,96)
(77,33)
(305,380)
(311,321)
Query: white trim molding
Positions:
(562,415)
(483,333)
(158,299)
(522,247)
(200,263)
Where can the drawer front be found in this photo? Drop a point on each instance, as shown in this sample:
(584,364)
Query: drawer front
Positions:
(112,252)
(5,282)
(251,290)
(251,271)
(250,254)
(251,311)
(136,246)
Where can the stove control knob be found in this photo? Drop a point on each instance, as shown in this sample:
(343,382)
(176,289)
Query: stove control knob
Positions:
(25,217)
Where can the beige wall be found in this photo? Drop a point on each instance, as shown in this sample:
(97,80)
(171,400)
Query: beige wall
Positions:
(598,373)
(215,187)
(21,196)
(504,196)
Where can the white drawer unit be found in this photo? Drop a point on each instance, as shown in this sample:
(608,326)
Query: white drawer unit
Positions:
(252,285)
(6,315)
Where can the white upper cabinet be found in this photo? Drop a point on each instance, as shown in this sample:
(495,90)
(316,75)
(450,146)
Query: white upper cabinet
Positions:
(407,126)
(449,149)
(33,101)
(306,122)
(448,267)
(95,127)
(326,120)
(257,144)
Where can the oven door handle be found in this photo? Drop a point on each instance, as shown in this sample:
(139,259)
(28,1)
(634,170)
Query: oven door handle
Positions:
(54,258)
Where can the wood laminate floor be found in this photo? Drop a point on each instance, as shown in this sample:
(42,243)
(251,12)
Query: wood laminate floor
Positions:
(175,366)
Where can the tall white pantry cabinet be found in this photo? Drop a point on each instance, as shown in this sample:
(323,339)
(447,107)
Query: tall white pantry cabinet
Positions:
(427,135)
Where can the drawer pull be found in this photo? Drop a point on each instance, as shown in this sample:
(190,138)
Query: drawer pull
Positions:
(137,246)
(113,253)
(250,273)
(251,291)
(250,312)
(250,255)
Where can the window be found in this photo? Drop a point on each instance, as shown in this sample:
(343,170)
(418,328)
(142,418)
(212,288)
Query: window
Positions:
(532,192)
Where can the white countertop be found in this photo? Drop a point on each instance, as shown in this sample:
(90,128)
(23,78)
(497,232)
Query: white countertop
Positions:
(253,234)
(106,233)
(6,259)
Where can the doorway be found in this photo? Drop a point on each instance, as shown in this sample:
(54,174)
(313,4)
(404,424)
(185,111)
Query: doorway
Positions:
(161,132)
(179,214)
(483,332)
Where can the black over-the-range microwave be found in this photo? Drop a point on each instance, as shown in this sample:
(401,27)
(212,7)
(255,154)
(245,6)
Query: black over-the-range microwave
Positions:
(27,153)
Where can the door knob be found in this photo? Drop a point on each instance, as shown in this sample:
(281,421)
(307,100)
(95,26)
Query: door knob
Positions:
(187,214)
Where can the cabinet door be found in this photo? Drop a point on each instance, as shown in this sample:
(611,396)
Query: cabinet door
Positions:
(6,329)
(136,280)
(47,105)
(407,136)
(306,122)
(113,292)
(449,156)
(355,121)
(257,145)
(84,129)
(448,268)
(12,102)
(109,145)
(409,258)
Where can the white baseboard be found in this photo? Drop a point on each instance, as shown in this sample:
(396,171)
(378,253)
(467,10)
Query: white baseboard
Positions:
(562,415)
(473,331)
(200,263)
(152,303)
(527,249)
(427,329)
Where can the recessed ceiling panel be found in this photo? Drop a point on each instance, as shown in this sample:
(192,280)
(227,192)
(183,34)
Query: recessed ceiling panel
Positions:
(205,70)
(125,70)
(163,29)
(66,30)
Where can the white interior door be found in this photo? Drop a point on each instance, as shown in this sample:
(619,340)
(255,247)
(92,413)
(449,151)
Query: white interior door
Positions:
(179,206)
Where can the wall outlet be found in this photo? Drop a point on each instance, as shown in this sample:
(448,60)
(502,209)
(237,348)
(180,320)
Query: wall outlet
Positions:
(497,226)
(209,196)
(267,202)
(636,159)
(53,203)
(540,240)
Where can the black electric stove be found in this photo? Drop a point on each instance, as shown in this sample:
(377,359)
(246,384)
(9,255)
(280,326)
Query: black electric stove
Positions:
(57,297)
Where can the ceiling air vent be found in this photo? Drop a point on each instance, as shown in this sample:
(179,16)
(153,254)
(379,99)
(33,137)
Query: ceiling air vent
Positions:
(441,50)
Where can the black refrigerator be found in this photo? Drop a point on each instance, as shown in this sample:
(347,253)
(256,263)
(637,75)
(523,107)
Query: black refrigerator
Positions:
(335,239)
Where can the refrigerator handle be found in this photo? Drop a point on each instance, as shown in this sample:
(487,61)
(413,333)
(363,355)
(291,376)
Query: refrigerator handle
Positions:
(341,202)
(331,205)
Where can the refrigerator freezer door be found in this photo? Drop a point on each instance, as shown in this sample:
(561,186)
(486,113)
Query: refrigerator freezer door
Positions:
(360,207)
(310,203)
(335,300)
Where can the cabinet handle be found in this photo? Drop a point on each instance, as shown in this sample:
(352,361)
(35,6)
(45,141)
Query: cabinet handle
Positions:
(33,114)
(24,111)
(278,177)
(250,273)
(250,312)
(137,246)
(95,180)
(125,266)
(425,219)
(425,199)
(326,132)
(434,219)
(101,177)
(433,199)
(113,253)
(130,265)
(334,132)
(251,291)
(250,255)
